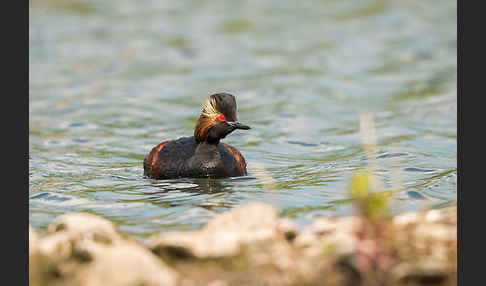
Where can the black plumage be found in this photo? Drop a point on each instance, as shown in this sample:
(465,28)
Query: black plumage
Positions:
(201,155)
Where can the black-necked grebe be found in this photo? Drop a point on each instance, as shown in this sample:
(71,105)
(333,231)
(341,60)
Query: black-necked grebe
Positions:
(201,155)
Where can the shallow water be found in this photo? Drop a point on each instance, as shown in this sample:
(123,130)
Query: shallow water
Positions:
(109,82)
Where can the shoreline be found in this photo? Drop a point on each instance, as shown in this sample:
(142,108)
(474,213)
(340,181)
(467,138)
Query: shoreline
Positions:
(251,245)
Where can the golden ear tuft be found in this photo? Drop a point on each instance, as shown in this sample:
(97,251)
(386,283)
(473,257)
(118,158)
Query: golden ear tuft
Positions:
(208,119)
(209,108)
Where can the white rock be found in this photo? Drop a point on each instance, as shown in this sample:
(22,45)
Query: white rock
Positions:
(227,233)
(125,264)
(433,216)
(86,224)
(405,219)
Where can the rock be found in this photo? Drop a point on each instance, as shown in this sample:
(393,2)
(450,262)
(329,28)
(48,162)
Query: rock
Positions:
(41,268)
(225,235)
(75,234)
(86,224)
(217,283)
(433,216)
(85,249)
(33,240)
(430,234)
(125,264)
(406,219)
(427,271)
(250,245)
(442,216)
(288,228)
(435,232)
(334,235)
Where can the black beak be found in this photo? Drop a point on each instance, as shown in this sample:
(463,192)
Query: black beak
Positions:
(238,125)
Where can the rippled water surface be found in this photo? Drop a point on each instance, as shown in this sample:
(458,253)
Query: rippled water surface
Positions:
(108,81)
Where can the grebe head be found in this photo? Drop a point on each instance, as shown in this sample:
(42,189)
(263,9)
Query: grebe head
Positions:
(218,118)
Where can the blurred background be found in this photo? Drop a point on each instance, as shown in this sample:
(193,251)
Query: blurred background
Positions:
(109,80)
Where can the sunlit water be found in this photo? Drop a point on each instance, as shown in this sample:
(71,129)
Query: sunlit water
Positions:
(108,81)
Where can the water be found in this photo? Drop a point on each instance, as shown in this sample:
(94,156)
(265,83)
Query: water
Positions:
(109,81)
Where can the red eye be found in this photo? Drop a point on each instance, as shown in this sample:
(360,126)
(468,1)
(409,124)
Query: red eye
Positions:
(222,117)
